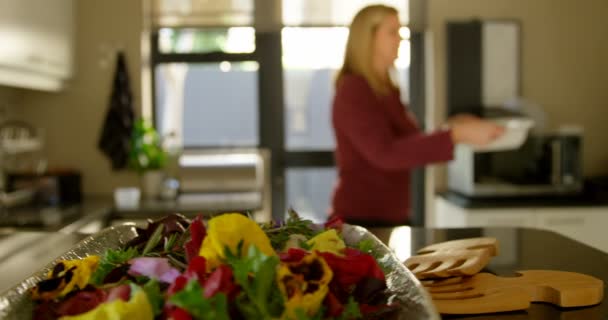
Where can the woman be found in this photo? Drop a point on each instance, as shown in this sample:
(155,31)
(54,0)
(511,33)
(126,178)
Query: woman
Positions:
(378,140)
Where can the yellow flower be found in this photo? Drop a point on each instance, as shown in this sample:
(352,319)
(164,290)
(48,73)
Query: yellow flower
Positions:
(67,275)
(226,231)
(304,285)
(137,308)
(327,241)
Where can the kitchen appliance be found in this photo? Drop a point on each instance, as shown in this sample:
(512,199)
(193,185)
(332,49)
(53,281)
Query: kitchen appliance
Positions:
(546,164)
(52,188)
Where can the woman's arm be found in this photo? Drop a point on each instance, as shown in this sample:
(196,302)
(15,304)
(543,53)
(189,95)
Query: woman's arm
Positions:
(357,118)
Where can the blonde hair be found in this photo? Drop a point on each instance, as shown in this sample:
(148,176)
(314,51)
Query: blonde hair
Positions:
(360,45)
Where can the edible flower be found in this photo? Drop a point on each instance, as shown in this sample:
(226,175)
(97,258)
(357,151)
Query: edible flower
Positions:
(197,234)
(353,267)
(327,241)
(155,268)
(234,232)
(304,285)
(67,275)
(137,308)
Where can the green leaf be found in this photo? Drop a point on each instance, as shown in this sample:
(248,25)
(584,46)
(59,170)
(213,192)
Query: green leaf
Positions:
(155,297)
(110,260)
(294,224)
(256,273)
(170,242)
(192,299)
(301,314)
(351,310)
(304,245)
(366,245)
(146,149)
(154,239)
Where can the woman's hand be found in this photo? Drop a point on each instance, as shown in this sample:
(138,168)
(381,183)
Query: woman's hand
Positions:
(473,130)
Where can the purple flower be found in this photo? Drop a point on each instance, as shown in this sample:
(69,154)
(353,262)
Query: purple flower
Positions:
(156,268)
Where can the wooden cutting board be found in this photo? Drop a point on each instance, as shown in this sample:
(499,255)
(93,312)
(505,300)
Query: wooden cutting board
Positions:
(453,258)
(487,293)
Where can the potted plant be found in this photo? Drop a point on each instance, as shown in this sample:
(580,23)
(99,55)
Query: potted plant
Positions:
(147,157)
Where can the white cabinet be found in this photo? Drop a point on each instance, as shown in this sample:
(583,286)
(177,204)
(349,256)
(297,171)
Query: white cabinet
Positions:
(584,224)
(36,43)
(587,225)
(449,215)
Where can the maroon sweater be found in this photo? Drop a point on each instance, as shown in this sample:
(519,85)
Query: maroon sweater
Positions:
(378,142)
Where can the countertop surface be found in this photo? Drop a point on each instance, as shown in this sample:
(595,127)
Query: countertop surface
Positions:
(73,218)
(580,200)
(520,249)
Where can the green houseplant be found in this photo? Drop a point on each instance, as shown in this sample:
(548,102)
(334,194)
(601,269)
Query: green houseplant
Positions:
(147,157)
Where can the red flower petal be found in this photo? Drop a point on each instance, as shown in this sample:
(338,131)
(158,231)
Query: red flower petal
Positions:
(366,308)
(179,314)
(220,281)
(196,267)
(82,302)
(196,270)
(349,270)
(375,270)
(334,222)
(197,235)
(293,255)
(177,285)
(334,307)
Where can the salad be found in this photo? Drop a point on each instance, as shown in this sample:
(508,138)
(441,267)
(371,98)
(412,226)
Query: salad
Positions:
(229,267)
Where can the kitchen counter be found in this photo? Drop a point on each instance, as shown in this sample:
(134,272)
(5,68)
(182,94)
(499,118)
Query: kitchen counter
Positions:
(582,218)
(520,249)
(95,213)
(579,200)
(65,219)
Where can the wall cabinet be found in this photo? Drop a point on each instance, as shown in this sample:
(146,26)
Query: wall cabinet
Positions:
(586,224)
(36,43)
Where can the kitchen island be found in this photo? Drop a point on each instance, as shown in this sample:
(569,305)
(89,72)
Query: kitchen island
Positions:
(580,217)
(95,213)
(520,249)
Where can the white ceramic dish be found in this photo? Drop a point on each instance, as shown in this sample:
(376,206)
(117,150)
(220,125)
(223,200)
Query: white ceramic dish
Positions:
(516,132)
(127,198)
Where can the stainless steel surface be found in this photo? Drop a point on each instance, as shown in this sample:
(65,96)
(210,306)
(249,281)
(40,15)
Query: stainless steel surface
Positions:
(16,198)
(226,179)
(415,303)
(15,302)
(24,253)
(405,288)
(537,168)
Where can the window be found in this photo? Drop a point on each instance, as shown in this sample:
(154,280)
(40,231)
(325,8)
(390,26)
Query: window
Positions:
(311,58)
(190,40)
(309,191)
(196,103)
(280,80)
(313,43)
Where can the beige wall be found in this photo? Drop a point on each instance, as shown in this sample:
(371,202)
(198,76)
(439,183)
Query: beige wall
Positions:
(11,100)
(564,67)
(73,118)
